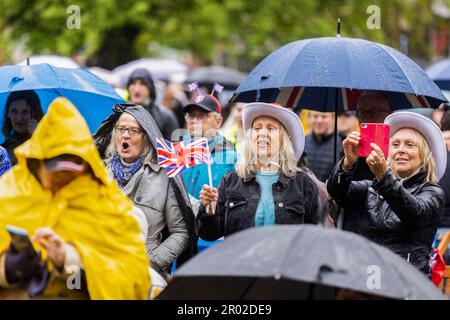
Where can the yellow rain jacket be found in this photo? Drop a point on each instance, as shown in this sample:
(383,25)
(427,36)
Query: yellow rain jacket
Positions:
(92,215)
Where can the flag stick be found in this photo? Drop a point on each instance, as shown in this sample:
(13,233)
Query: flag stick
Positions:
(210,176)
(212,206)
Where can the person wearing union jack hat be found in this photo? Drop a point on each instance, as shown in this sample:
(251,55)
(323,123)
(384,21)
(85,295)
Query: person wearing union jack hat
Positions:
(204,119)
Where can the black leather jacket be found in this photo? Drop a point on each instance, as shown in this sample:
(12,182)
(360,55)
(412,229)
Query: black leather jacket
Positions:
(296,202)
(402,216)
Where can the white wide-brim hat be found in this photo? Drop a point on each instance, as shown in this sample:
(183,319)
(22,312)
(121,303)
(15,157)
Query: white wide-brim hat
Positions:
(288,119)
(428,129)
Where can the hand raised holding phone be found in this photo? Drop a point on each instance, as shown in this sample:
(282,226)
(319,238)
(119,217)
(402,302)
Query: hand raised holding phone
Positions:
(351,149)
(22,262)
(377,133)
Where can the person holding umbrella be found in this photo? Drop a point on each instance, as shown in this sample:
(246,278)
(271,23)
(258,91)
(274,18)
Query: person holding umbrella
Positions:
(266,187)
(371,107)
(401,208)
(22,114)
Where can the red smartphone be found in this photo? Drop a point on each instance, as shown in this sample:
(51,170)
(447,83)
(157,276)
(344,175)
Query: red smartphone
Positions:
(377,133)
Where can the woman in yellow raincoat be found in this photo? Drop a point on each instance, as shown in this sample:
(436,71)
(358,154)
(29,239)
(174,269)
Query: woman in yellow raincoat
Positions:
(76,217)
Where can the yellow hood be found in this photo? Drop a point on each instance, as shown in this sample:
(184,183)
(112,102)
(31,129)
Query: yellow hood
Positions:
(91,214)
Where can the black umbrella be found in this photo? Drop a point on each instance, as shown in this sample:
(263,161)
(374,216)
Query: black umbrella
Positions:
(297,262)
(225,76)
(327,74)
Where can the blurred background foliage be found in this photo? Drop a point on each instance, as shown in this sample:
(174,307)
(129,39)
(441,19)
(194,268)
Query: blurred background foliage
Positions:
(238,33)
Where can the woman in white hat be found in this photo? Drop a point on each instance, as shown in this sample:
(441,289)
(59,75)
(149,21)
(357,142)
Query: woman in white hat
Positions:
(401,208)
(266,186)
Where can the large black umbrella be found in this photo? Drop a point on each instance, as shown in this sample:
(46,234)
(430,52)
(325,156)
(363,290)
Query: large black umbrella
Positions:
(297,262)
(328,74)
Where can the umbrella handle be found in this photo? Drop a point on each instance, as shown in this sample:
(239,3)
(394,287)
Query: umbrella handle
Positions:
(338,34)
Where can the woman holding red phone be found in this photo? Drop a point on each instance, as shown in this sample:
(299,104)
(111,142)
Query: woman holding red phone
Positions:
(401,208)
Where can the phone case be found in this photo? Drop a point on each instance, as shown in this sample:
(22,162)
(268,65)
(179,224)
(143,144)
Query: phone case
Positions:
(377,133)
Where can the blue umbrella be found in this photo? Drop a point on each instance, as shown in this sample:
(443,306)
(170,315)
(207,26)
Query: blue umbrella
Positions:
(92,96)
(308,74)
(440,74)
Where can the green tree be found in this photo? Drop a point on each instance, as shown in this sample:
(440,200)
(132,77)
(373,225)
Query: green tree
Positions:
(115,31)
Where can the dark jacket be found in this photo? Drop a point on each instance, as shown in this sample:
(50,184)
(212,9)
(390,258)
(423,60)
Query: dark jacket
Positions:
(320,154)
(445,184)
(102,138)
(402,216)
(296,202)
(361,172)
(166,121)
(11,142)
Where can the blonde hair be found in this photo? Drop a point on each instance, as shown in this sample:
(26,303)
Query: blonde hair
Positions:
(426,157)
(246,164)
(112,147)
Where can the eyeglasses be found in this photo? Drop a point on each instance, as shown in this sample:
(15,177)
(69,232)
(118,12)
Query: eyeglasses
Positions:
(372,113)
(132,131)
(199,115)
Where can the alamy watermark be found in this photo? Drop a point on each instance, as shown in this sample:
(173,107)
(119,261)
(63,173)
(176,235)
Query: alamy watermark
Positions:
(374,20)
(74,19)
(374,277)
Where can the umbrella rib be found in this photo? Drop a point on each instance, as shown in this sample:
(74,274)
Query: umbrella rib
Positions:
(57,80)
(252,281)
(286,254)
(401,68)
(295,58)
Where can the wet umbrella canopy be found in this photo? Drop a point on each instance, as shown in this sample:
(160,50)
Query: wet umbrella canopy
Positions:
(308,74)
(93,97)
(297,262)
(328,74)
(440,74)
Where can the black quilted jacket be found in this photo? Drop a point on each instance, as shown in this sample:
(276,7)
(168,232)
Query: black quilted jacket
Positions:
(402,216)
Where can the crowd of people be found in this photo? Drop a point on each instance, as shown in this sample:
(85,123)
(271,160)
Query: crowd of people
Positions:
(102,204)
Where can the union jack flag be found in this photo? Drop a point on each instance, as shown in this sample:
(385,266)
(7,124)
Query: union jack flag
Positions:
(176,157)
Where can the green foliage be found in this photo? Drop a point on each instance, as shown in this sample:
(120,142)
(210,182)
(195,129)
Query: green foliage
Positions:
(114,31)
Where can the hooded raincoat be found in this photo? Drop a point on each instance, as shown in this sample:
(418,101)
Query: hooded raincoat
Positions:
(90,213)
(148,124)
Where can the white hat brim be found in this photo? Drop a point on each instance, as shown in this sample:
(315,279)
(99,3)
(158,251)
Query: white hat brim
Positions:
(428,129)
(289,120)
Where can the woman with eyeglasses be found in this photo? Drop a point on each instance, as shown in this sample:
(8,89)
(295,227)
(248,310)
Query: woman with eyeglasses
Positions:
(131,160)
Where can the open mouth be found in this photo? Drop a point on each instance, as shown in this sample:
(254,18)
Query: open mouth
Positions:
(125,146)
